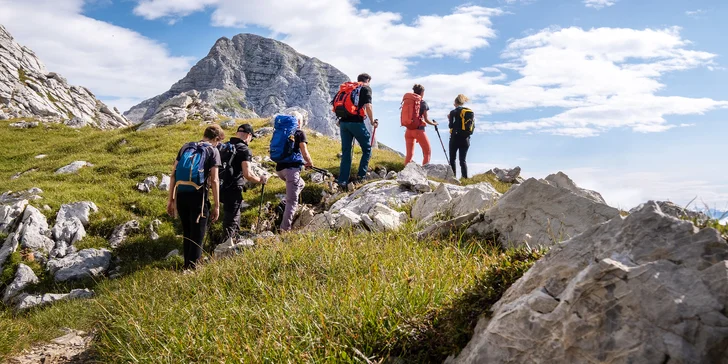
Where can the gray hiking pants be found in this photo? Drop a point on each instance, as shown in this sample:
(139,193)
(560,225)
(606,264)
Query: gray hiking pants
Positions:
(294,186)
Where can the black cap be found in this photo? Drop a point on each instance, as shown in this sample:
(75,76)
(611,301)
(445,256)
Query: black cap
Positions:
(246,128)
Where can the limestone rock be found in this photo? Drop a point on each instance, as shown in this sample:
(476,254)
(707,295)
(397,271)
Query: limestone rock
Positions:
(674,210)
(24,124)
(40,156)
(164,185)
(431,202)
(232,247)
(33,232)
(10,197)
(9,214)
(152,229)
(148,184)
(179,109)
(28,90)
(506,175)
(83,264)
(317,178)
(389,193)
(24,277)
(537,213)
(250,76)
(25,301)
(173,253)
(118,236)
(439,228)
(414,177)
(80,210)
(10,245)
(228,124)
(384,218)
(442,172)
(645,289)
(561,180)
(264,131)
(347,219)
(73,167)
(68,231)
(391,175)
(304,218)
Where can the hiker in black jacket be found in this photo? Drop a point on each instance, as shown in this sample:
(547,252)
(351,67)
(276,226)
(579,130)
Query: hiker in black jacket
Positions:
(461,123)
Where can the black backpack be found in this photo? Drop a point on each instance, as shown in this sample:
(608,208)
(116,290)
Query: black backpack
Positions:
(464,122)
(226,173)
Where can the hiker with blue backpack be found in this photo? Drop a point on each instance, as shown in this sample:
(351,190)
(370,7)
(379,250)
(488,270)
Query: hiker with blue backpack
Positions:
(236,158)
(288,148)
(195,168)
(352,105)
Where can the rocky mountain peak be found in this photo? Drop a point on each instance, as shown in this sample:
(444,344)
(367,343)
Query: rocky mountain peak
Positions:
(252,76)
(27,89)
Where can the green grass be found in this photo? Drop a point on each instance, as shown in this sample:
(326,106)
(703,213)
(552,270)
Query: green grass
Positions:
(305,298)
(501,187)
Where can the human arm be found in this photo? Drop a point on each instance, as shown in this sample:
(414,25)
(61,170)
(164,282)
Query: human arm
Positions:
(427,119)
(248,175)
(370,115)
(215,181)
(171,206)
(306,156)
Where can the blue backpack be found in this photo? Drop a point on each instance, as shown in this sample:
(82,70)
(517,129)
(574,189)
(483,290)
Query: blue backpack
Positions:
(283,144)
(190,172)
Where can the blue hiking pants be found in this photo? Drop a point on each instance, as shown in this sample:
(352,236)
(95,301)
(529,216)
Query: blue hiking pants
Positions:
(349,131)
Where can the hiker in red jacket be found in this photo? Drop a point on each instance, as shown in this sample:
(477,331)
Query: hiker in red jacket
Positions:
(416,123)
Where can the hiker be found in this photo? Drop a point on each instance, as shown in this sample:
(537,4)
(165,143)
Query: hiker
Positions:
(195,167)
(352,105)
(414,105)
(290,139)
(236,158)
(461,121)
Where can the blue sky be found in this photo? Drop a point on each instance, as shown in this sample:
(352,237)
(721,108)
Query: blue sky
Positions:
(628,97)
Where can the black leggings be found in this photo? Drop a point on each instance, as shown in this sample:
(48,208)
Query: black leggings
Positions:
(189,206)
(459,144)
(232,198)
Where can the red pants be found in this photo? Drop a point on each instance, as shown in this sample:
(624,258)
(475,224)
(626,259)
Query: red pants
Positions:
(412,135)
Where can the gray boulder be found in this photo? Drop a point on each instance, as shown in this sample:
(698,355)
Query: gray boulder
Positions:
(83,264)
(646,289)
(33,232)
(152,229)
(80,210)
(561,180)
(264,131)
(24,277)
(228,124)
(674,210)
(26,301)
(383,218)
(506,175)
(432,202)
(477,198)
(347,219)
(118,236)
(10,245)
(24,124)
(73,167)
(414,177)
(10,197)
(389,193)
(68,231)
(304,218)
(536,213)
(439,228)
(9,214)
(442,172)
(452,200)
(149,184)
(232,247)
(164,184)
(172,254)
(178,109)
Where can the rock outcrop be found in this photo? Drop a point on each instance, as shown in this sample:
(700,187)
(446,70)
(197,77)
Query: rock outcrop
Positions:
(24,277)
(250,76)
(561,180)
(86,263)
(646,289)
(27,89)
(671,209)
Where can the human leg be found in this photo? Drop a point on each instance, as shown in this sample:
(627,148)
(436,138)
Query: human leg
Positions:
(453,146)
(345,165)
(424,143)
(294,186)
(360,132)
(464,146)
(409,143)
(231,200)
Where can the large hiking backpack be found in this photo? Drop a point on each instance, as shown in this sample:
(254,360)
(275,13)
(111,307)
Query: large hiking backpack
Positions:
(226,171)
(190,171)
(346,101)
(410,116)
(283,144)
(465,123)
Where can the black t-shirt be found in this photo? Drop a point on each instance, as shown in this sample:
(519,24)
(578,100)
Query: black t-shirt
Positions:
(423,107)
(454,123)
(365,97)
(298,137)
(242,154)
(213,158)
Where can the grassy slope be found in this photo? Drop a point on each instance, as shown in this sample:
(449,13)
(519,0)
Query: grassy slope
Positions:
(309,298)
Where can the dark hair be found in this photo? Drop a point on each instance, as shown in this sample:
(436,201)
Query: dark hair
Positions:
(364,77)
(213,132)
(418,89)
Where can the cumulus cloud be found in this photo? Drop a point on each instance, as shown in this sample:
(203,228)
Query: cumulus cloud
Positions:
(113,62)
(593,80)
(599,4)
(695,13)
(338,32)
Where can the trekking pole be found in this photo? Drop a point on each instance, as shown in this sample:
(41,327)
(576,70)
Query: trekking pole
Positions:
(443,145)
(321,170)
(257,222)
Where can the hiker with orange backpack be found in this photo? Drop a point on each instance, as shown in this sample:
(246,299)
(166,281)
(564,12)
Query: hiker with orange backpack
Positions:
(414,118)
(352,105)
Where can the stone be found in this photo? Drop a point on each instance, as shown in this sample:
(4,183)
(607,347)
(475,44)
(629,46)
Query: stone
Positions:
(323,221)
(431,202)
(440,228)
(227,124)
(172,254)
(389,193)
(86,263)
(68,230)
(28,90)
(677,211)
(561,180)
(347,219)
(164,185)
(24,277)
(478,198)
(506,175)
(414,177)
(304,219)
(148,184)
(25,301)
(80,210)
(118,236)
(10,245)
(391,175)
(317,178)
(152,229)
(232,247)
(40,156)
(24,124)
(250,76)
(264,131)
(442,172)
(536,213)
(385,218)
(647,288)
(33,231)
(73,167)
(9,215)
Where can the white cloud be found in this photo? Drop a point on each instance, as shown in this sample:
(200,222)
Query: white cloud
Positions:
(338,32)
(595,79)
(599,4)
(696,13)
(113,62)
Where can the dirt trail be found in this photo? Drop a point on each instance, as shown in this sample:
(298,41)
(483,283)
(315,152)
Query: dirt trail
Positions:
(69,348)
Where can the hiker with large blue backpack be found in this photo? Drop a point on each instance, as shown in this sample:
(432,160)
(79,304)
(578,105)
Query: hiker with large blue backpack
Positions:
(236,158)
(194,170)
(288,148)
(352,105)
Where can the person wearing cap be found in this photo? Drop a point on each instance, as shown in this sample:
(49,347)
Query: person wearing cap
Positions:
(231,195)
(291,173)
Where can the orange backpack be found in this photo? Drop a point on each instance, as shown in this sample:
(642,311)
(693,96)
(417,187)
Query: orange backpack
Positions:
(346,101)
(410,117)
